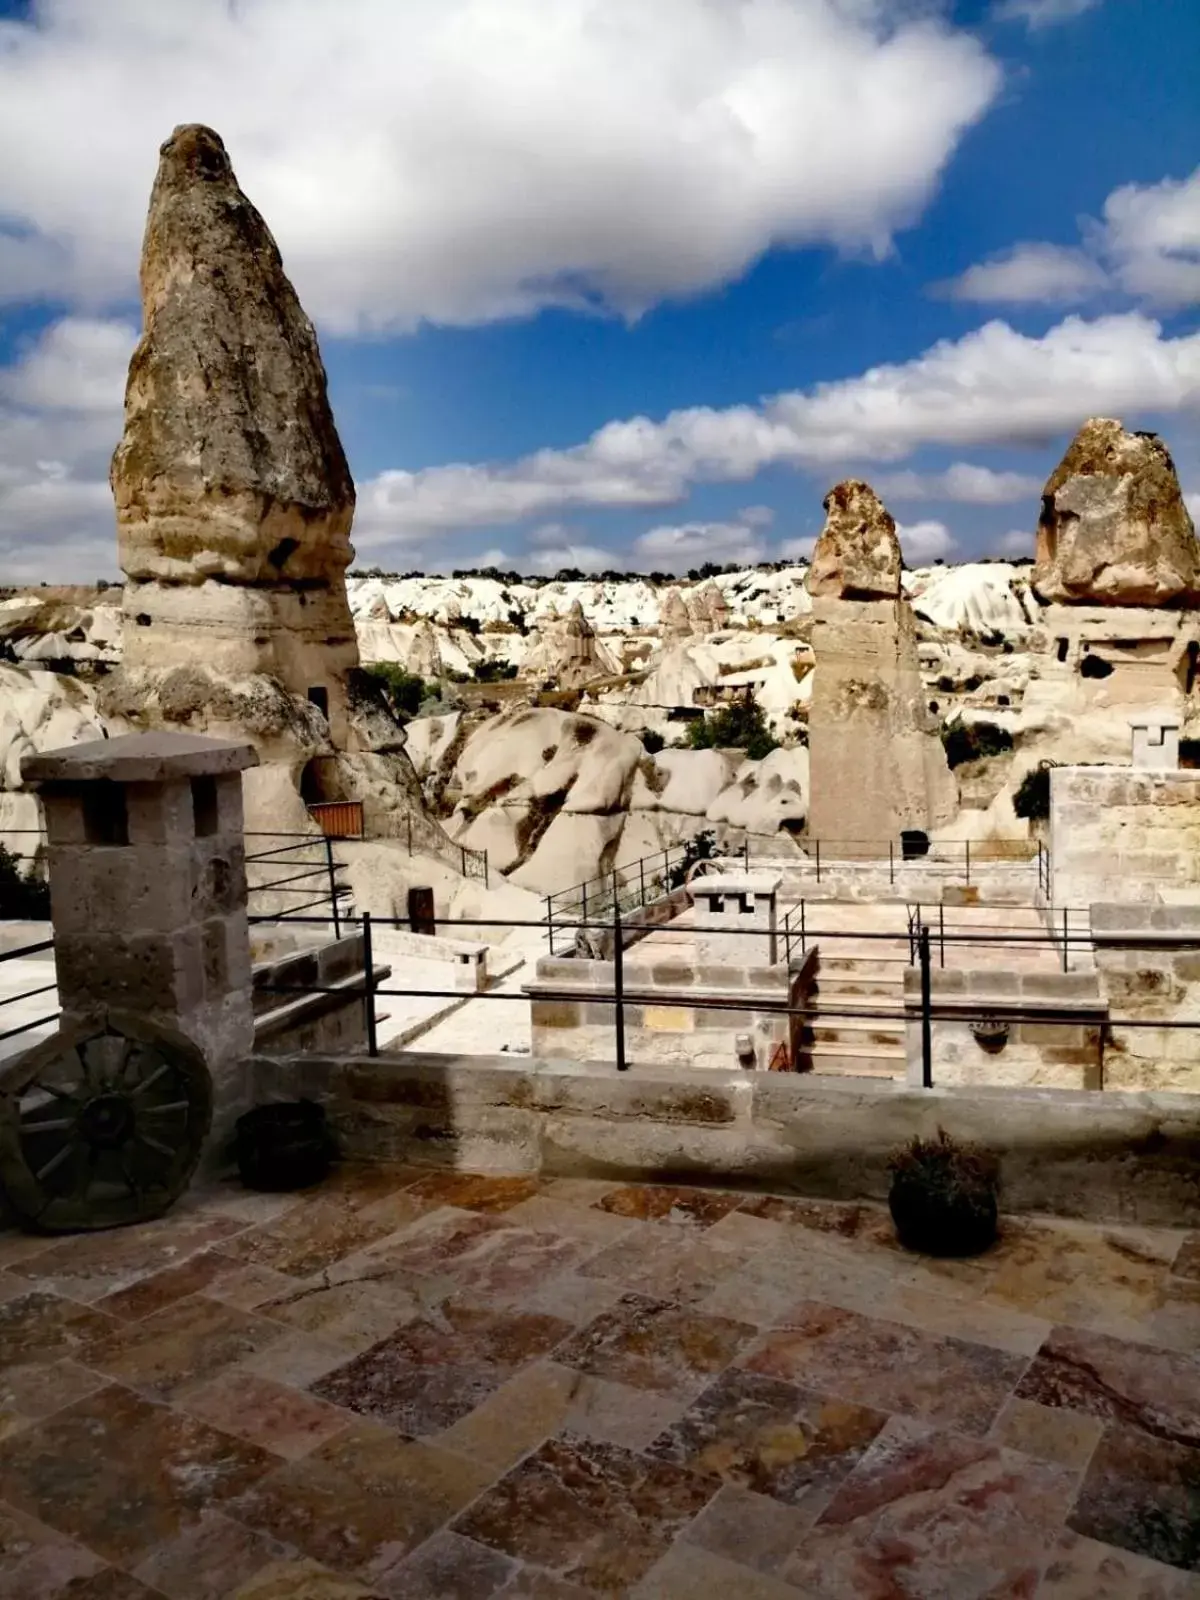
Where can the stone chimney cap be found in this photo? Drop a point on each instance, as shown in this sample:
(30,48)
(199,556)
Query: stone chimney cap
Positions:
(139,758)
(1156,719)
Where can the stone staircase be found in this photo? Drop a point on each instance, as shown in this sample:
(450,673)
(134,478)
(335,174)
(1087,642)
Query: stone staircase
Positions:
(863,977)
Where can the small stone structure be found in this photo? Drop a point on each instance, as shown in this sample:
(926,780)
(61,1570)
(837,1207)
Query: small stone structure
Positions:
(876,759)
(1155,742)
(1116,832)
(736,918)
(147,869)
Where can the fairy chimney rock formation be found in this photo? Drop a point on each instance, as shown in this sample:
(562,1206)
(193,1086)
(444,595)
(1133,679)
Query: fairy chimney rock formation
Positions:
(876,760)
(233,496)
(1114,529)
(675,621)
(716,607)
(857,556)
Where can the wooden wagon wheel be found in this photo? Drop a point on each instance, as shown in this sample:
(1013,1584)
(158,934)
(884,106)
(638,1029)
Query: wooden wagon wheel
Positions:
(102,1124)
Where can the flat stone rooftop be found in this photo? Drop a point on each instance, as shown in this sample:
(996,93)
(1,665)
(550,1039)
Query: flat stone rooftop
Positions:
(426,1384)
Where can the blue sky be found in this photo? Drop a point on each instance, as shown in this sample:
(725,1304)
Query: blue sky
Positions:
(914,241)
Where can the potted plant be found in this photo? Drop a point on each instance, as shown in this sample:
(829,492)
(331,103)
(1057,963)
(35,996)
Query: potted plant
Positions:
(990,1033)
(943,1197)
(284,1145)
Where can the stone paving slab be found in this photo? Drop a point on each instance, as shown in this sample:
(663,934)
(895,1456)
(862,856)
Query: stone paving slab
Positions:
(425,1383)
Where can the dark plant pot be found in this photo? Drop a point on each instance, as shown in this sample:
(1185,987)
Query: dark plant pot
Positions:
(914,843)
(990,1034)
(937,1223)
(284,1146)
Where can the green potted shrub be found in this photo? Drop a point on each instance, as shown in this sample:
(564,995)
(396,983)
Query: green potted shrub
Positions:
(943,1197)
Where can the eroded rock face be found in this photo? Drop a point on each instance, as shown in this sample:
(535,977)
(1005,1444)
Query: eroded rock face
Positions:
(230,465)
(858,554)
(1114,529)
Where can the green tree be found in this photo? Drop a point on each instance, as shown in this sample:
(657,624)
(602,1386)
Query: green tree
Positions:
(404,690)
(740,726)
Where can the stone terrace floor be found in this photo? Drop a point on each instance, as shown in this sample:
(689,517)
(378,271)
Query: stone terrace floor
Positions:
(440,1385)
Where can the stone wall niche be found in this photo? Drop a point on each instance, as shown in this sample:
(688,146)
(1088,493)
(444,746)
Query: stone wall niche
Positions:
(147,869)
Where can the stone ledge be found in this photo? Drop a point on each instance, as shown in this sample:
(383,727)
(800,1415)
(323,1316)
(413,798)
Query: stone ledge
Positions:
(1108,1156)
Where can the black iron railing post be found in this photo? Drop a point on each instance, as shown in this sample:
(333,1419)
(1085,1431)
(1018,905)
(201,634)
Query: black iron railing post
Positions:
(1066,939)
(891,862)
(818,844)
(941,935)
(926,1004)
(619,987)
(968,860)
(550,922)
(331,867)
(803,935)
(746,851)
(369,985)
(642,877)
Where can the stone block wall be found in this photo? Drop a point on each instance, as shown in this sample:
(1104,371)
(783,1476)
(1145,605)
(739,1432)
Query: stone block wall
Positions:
(1105,1157)
(1149,960)
(1117,833)
(290,1011)
(1065,1050)
(675,1014)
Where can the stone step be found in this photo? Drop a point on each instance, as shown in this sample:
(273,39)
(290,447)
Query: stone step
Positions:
(886,966)
(855,1032)
(849,1061)
(868,993)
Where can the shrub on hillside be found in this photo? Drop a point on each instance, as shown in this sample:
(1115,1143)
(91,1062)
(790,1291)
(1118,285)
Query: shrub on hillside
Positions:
(652,742)
(740,726)
(404,690)
(1032,799)
(494,671)
(974,741)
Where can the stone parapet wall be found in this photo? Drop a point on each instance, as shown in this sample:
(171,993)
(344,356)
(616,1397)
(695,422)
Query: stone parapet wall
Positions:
(292,1011)
(1149,958)
(1120,833)
(991,882)
(1063,1051)
(1105,1157)
(674,1013)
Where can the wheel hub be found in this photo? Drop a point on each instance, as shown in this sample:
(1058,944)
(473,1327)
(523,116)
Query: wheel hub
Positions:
(108,1121)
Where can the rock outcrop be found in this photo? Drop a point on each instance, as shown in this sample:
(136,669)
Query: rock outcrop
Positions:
(876,760)
(675,623)
(1114,529)
(857,556)
(234,500)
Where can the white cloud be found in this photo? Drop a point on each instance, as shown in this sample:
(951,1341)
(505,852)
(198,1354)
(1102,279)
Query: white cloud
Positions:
(964,481)
(1029,274)
(1018,542)
(60,417)
(924,541)
(798,549)
(462,160)
(994,386)
(587,557)
(1146,246)
(1041,13)
(1151,235)
(691,544)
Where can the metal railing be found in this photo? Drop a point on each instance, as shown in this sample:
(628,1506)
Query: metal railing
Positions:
(625,993)
(627,888)
(962,855)
(317,879)
(28,994)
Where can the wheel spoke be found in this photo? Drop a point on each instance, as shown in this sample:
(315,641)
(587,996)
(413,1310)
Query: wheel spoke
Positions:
(131,1182)
(55,1125)
(152,1079)
(55,1162)
(155,1144)
(52,1089)
(90,1165)
(161,1111)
